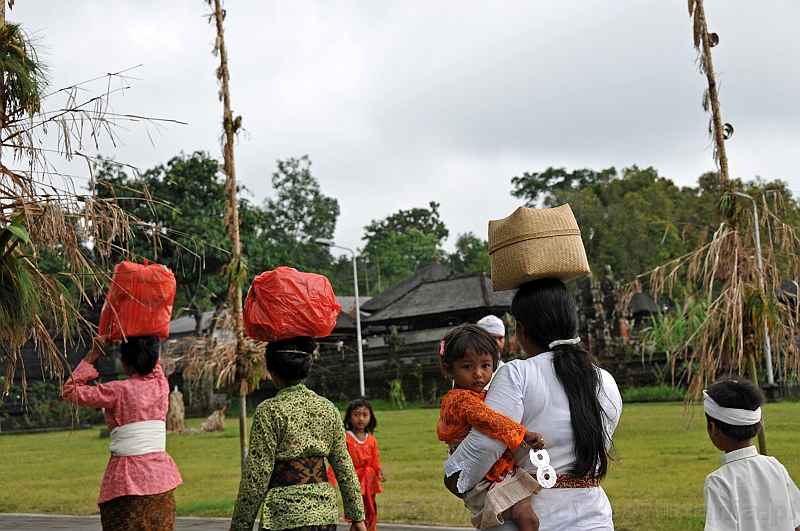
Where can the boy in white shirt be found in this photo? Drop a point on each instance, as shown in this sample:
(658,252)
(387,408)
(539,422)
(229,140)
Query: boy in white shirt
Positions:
(749,492)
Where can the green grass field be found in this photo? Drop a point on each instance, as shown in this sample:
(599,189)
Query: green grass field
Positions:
(656,482)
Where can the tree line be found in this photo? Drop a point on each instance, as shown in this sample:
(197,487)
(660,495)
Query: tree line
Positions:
(632,220)
(636,220)
(182,204)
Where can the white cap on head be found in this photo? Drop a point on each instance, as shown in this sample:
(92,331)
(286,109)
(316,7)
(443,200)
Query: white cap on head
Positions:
(494,325)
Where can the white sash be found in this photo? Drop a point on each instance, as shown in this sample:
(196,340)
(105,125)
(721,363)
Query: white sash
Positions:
(139,438)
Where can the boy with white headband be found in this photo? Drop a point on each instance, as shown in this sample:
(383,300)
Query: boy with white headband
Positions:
(749,492)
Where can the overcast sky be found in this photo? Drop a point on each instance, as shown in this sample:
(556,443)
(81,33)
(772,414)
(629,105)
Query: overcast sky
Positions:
(400,102)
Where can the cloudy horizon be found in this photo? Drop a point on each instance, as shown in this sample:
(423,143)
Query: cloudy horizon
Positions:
(404,102)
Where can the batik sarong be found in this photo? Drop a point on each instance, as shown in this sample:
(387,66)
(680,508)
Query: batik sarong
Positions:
(139,513)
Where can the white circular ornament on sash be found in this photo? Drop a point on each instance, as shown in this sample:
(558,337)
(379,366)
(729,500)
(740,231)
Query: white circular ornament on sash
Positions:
(540,458)
(545,474)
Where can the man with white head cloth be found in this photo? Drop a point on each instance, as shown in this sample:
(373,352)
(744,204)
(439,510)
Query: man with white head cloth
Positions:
(494,325)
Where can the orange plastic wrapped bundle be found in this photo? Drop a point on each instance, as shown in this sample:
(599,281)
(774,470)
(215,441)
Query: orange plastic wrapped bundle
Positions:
(139,301)
(285,303)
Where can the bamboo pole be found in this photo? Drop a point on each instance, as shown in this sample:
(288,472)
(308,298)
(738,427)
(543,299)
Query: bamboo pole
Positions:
(718,132)
(703,43)
(2,79)
(753,375)
(236,270)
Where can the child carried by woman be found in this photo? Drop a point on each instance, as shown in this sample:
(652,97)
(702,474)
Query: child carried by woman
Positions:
(468,355)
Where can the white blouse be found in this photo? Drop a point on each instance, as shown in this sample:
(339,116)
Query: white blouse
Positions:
(528,392)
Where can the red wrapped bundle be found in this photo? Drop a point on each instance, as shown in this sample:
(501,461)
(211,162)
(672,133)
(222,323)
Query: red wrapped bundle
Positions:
(285,303)
(139,301)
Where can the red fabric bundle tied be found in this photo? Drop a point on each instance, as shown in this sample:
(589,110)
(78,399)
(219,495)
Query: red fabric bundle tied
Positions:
(285,303)
(139,301)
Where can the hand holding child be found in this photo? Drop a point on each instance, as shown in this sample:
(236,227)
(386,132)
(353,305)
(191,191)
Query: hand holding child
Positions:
(534,440)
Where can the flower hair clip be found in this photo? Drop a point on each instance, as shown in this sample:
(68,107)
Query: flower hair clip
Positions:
(441,349)
(498,354)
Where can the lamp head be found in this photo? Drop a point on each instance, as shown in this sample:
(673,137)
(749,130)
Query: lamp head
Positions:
(324,241)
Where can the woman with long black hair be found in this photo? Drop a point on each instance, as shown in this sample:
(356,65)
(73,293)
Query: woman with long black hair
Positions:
(560,393)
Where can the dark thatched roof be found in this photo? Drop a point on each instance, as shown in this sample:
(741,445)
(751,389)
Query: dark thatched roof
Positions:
(788,290)
(642,303)
(346,320)
(449,297)
(389,296)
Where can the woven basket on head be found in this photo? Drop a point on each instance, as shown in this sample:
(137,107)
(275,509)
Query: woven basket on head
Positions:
(536,243)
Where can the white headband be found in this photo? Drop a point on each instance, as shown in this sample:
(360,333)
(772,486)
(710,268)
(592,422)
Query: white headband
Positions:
(729,415)
(573,341)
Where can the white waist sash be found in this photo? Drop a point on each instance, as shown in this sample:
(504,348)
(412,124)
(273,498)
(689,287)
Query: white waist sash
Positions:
(138,438)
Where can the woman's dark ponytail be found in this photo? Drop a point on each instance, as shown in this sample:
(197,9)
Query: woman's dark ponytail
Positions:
(580,379)
(546,310)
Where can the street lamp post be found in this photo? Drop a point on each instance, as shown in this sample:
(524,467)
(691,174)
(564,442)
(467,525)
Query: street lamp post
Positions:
(767,344)
(329,243)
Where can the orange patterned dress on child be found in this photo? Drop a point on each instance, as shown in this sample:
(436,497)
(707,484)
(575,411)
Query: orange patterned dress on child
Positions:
(366,462)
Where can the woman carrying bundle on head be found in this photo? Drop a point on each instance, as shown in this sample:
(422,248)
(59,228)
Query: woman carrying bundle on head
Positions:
(294,432)
(137,488)
(560,393)
(291,435)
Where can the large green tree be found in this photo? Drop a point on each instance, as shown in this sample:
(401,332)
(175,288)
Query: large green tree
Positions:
(637,219)
(631,221)
(402,242)
(533,186)
(186,231)
(282,231)
(471,255)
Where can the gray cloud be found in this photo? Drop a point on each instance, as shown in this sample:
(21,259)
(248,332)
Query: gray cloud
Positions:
(403,102)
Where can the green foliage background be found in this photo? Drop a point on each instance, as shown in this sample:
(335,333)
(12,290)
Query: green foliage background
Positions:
(636,220)
(632,220)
